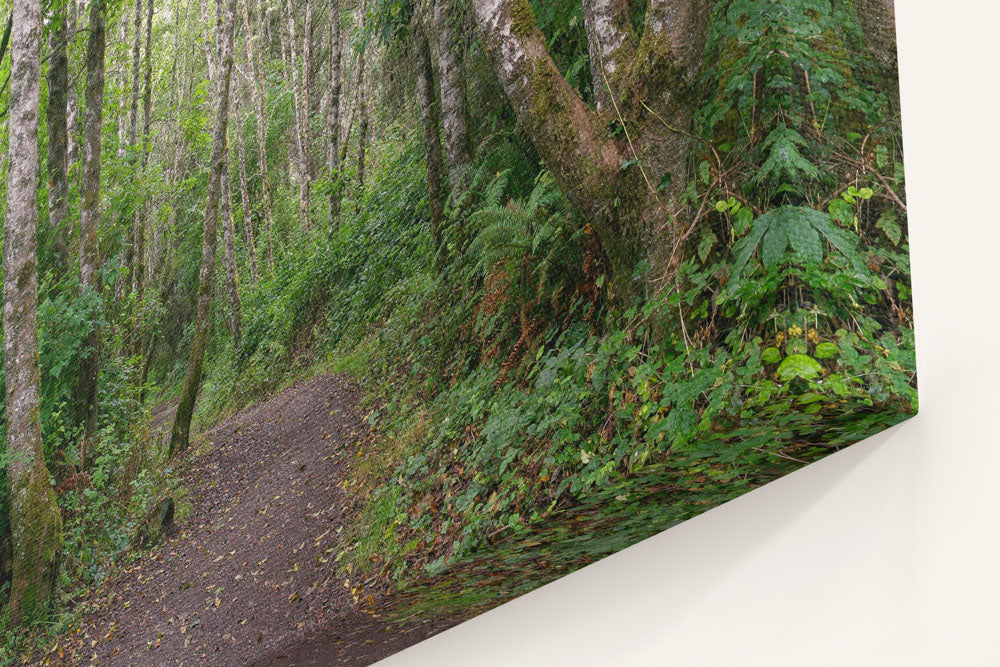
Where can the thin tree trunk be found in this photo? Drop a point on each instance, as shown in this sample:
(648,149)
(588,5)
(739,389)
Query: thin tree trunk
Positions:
(36,525)
(245,203)
(180,432)
(147,105)
(432,139)
(257,70)
(232,276)
(133,111)
(456,132)
(333,120)
(90,219)
(301,103)
(72,106)
(58,155)
(362,124)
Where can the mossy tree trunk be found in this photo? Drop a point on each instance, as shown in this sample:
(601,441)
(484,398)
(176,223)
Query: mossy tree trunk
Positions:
(253,31)
(90,219)
(34,516)
(432,135)
(247,208)
(628,187)
(333,119)
(878,21)
(58,155)
(450,51)
(229,244)
(180,433)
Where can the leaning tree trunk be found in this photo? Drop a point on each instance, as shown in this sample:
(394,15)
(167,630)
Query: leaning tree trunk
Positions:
(432,138)
(456,129)
(180,432)
(878,21)
(34,516)
(333,120)
(90,212)
(613,183)
(58,156)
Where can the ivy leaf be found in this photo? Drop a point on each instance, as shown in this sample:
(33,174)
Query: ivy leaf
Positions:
(799,366)
(771,355)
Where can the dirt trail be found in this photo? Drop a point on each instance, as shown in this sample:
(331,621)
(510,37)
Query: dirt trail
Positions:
(250,578)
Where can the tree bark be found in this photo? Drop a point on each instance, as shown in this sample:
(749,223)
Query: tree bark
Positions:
(598,174)
(362,123)
(245,204)
(58,156)
(180,433)
(257,69)
(611,44)
(301,102)
(90,219)
(432,139)
(73,107)
(878,22)
(141,265)
(232,276)
(35,521)
(333,120)
(456,130)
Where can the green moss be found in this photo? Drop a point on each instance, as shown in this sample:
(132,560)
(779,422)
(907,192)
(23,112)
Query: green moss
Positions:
(37,533)
(523,18)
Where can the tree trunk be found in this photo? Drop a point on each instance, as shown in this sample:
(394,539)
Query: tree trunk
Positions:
(618,198)
(141,265)
(610,42)
(232,277)
(301,102)
(133,110)
(333,121)
(456,132)
(73,107)
(878,21)
(257,69)
(58,156)
(35,522)
(90,219)
(432,139)
(180,432)
(245,203)
(362,123)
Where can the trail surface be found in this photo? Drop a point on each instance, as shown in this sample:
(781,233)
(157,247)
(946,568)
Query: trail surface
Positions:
(250,577)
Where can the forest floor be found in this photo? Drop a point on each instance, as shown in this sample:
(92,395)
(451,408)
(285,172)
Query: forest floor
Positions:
(250,576)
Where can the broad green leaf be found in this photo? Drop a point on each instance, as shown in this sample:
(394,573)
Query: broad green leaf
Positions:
(771,355)
(799,366)
(826,351)
(887,224)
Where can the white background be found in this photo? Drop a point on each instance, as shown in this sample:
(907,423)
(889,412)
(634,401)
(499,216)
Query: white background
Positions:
(887,553)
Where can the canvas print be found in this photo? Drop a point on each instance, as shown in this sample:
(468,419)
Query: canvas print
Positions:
(329,325)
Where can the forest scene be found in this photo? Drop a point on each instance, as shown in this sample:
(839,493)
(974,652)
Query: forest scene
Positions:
(330,324)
